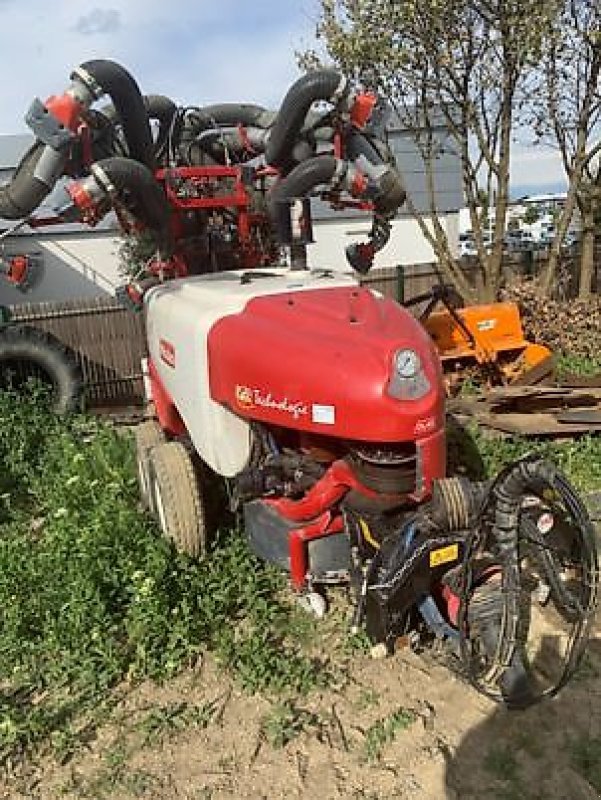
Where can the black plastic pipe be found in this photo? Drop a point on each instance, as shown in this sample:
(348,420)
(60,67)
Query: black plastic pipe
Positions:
(319,85)
(127,99)
(304,177)
(163,109)
(237,114)
(24,193)
(150,205)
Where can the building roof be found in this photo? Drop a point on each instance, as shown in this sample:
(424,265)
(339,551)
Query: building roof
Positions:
(12,147)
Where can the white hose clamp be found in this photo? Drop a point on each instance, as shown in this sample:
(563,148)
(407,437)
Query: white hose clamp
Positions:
(340,90)
(103,180)
(88,81)
(339,175)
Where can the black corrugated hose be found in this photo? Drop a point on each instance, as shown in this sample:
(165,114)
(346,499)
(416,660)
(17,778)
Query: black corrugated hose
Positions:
(530,476)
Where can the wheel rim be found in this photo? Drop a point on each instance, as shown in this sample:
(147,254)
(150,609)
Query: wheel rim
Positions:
(143,480)
(160,509)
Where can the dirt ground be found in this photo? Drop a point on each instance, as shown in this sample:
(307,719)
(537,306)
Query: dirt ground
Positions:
(400,727)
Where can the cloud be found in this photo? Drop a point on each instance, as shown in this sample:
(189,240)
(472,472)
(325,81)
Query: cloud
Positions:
(536,165)
(209,51)
(99,20)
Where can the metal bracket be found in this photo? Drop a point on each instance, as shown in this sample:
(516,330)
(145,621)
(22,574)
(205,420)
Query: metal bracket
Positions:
(46,127)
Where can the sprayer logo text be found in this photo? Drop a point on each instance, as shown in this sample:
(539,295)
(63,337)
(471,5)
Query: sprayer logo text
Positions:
(249,397)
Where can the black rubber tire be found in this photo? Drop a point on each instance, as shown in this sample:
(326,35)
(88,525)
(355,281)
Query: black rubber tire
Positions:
(148,435)
(177,498)
(29,352)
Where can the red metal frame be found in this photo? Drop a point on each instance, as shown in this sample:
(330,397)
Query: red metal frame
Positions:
(205,180)
(326,525)
(323,495)
(166,410)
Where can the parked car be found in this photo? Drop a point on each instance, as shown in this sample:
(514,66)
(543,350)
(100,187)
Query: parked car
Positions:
(518,241)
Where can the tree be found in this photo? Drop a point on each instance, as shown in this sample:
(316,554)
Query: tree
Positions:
(589,203)
(467,61)
(567,114)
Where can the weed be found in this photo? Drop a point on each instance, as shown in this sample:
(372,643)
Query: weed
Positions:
(571,364)
(286,721)
(367,698)
(501,763)
(585,756)
(164,720)
(385,731)
(355,643)
(91,595)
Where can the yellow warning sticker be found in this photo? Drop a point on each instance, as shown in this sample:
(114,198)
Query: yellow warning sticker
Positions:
(444,555)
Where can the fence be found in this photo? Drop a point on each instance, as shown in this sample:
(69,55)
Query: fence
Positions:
(107,340)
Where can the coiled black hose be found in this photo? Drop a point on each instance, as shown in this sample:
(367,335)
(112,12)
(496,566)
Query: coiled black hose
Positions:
(502,507)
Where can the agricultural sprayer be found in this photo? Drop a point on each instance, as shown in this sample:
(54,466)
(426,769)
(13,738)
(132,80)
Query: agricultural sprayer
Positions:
(318,403)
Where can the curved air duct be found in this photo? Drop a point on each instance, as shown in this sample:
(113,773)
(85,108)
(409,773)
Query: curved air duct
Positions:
(236,114)
(299,182)
(129,105)
(42,165)
(218,142)
(158,107)
(325,84)
(135,179)
(25,192)
(163,109)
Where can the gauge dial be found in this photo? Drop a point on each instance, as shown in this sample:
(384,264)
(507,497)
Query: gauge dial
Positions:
(407,363)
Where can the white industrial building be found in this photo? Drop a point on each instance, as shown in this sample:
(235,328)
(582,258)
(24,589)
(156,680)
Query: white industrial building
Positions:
(80,261)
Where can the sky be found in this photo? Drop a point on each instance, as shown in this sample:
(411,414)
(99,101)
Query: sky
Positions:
(195,51)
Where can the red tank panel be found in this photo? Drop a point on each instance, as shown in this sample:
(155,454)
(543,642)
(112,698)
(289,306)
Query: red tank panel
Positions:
(322,361)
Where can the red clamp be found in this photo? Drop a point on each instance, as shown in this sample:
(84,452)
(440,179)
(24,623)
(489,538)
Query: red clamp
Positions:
(18,267)
(362,109)
(246,143)
(66,109)
(87,206)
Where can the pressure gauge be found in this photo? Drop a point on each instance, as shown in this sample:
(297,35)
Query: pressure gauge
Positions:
(407,364)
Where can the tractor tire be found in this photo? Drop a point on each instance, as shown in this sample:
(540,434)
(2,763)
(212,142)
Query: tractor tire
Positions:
(177,499)
(28,353)
(148,435)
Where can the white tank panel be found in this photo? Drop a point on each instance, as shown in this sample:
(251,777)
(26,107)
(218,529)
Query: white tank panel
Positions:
(182,312)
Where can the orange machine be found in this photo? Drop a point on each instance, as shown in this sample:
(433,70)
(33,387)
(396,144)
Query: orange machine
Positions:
(490,336)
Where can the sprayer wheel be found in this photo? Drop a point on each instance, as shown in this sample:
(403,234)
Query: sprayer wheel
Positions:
(177,498)
(148,435)
(28,354)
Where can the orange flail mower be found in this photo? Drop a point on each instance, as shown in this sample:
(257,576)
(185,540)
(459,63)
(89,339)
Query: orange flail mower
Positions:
(490,336)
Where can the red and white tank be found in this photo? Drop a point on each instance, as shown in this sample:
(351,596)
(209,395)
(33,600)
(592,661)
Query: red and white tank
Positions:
(310,351)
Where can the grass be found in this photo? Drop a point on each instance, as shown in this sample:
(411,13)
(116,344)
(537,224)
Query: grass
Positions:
(91,596)
(480,455)
(385,730)
(585,757)
(165,720)
(582,366)
(285,721)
